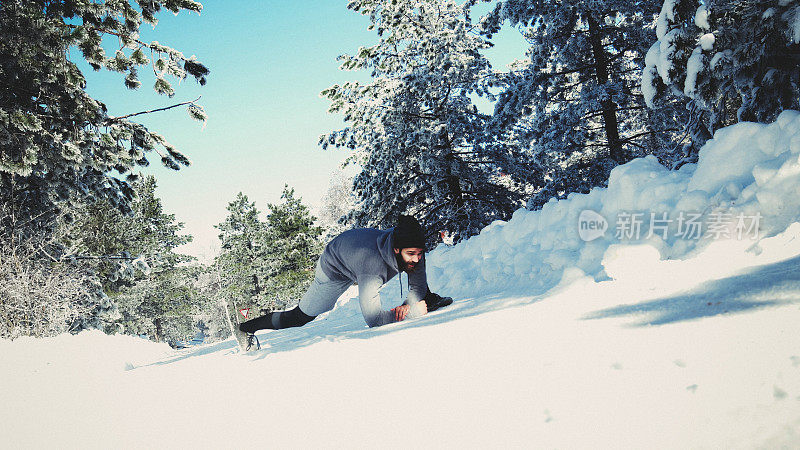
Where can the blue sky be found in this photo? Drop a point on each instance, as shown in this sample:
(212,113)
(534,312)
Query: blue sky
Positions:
(269,60)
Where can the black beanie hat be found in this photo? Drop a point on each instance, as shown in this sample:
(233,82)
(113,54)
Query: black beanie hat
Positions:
(408,233)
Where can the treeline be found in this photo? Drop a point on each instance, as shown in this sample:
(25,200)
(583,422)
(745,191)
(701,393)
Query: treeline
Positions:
(602,82)
(121,273)
(84,241)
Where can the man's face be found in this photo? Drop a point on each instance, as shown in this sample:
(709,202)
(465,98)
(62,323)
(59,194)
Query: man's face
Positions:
(409,258)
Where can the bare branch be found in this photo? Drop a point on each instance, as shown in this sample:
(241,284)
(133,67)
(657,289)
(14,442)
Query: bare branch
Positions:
(115,119)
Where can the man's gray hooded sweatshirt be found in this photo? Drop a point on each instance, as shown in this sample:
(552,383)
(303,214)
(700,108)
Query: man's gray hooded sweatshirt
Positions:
(365,256)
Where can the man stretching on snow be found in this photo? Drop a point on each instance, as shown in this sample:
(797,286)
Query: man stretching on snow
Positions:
(369,257)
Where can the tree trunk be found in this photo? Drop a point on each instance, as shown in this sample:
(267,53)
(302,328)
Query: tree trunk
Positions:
(256,286)
(159,329)
(453,183)
(610,123)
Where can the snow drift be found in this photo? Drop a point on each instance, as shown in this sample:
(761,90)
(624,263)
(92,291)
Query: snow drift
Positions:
(748,174)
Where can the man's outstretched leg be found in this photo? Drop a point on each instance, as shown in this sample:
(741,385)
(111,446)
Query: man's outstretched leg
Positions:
(321,296)
(277,320)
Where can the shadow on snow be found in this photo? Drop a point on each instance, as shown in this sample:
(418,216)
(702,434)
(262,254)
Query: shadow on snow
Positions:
(346,322)
(760,287)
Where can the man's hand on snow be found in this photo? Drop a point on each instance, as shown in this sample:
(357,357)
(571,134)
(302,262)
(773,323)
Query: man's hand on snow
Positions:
(400,312)
(415,310)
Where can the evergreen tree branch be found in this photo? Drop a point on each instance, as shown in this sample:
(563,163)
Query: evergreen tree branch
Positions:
(629,139)
(596,113)
(128,36)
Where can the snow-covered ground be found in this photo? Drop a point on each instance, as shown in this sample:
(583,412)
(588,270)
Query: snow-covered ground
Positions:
(566,333)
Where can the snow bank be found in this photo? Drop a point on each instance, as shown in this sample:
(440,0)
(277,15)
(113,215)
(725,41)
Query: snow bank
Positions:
(88,351)
(744,187)
(69,391)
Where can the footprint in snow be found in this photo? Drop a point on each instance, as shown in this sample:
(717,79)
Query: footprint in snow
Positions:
(779,393)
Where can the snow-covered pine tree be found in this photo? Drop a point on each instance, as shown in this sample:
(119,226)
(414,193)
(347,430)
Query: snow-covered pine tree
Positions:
(56,142)
(135,258)
(213,322)
(160,300)
(293,246)
(337,203)
(736,60)
(414,129)
(576,103)
(267,265)
(162,304)
(108,239)
(244,254)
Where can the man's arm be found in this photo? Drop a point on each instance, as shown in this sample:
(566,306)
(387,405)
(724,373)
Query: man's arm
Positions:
(370,300)
(414,305)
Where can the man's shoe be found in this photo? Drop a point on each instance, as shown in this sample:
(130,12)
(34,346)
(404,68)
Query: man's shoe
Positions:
(252,342)
(241,336)
(435,301)
(247,341)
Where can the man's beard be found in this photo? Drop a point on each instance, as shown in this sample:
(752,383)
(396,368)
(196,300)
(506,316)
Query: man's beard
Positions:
(404,266)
